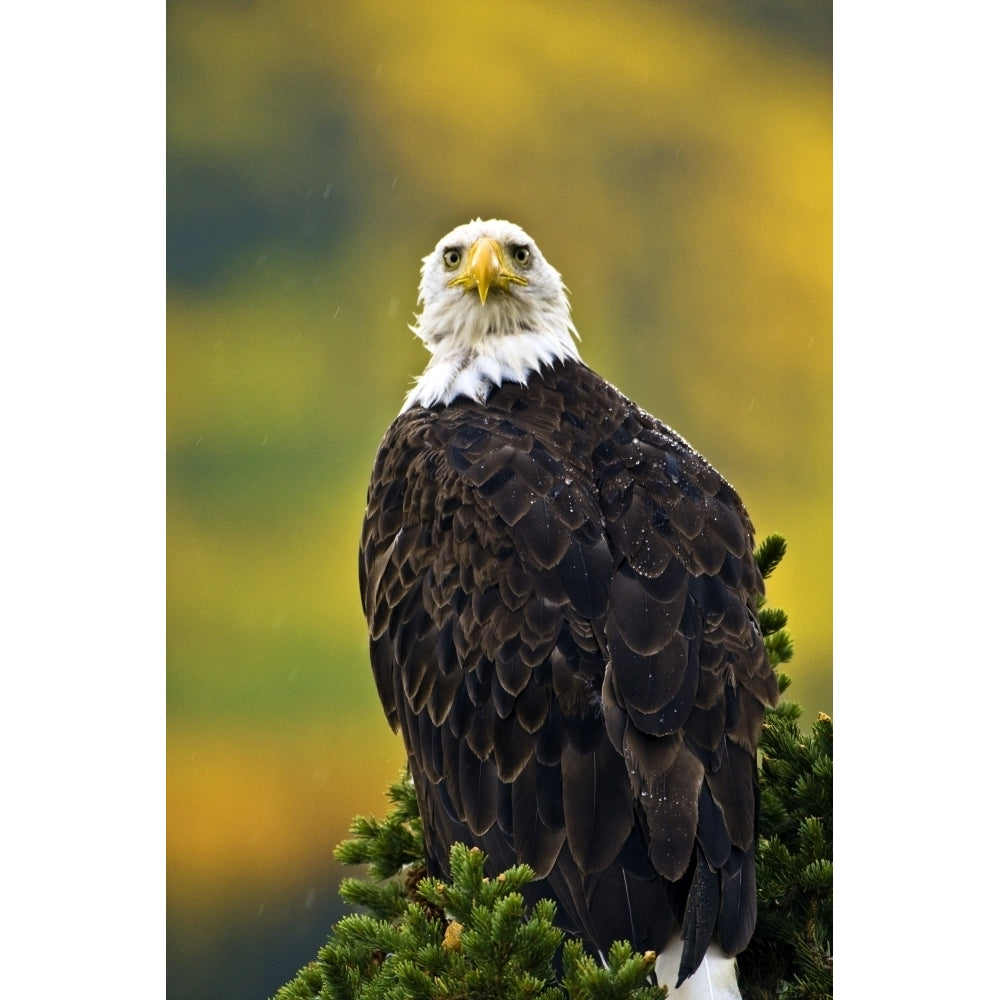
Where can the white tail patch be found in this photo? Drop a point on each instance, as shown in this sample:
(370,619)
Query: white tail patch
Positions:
(714,979)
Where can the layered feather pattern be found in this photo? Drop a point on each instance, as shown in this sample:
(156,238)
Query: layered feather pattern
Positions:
(561,594)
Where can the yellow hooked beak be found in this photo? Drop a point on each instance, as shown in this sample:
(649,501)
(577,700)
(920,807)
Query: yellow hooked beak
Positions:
(486,269)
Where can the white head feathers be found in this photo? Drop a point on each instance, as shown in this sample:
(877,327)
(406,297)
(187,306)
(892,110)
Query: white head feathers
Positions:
(494,310)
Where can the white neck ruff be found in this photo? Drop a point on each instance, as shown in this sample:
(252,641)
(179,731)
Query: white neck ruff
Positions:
(475,347)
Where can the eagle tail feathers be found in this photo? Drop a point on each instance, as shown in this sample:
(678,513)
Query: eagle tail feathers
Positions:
(714,979)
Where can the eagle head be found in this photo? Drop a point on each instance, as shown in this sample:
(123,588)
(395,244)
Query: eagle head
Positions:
(494,310)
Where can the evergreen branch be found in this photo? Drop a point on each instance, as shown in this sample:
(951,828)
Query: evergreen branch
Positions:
(769,553)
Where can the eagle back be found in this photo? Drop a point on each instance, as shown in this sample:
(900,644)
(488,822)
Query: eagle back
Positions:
(561,599)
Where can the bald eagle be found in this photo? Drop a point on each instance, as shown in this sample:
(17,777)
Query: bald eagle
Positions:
(561,600)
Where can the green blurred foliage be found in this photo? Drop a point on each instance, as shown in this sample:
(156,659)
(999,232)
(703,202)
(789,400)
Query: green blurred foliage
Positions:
(673,160)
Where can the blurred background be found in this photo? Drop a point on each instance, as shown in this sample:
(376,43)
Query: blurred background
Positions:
(672,160)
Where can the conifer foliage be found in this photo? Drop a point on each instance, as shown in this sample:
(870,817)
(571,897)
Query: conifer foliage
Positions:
(475,937)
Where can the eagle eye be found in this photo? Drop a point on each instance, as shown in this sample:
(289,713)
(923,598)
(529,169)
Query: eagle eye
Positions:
(452,257)
(521,255)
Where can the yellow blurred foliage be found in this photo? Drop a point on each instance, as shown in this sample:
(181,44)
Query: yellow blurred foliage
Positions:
(244,807)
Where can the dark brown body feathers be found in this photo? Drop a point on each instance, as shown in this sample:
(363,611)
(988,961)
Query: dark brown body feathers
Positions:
(561,601)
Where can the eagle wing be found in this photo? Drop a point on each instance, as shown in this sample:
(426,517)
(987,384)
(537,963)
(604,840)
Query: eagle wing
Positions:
(560,596)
